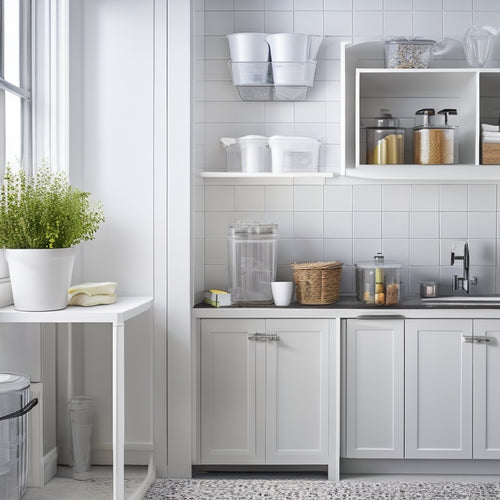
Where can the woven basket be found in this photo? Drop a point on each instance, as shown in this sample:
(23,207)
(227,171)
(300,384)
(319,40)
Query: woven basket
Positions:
(317,283)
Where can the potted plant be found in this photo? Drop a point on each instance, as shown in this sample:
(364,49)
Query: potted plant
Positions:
(42,219)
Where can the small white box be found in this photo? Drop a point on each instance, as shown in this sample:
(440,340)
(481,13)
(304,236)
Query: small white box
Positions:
(294,154)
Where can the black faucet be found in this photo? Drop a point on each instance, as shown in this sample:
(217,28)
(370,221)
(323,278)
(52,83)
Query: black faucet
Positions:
(463,282)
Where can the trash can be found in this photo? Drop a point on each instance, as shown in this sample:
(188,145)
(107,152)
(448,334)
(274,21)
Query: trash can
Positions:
(81,412)
(15,403)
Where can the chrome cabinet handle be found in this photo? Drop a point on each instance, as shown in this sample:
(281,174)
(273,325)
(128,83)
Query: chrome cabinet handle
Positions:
(264,337)
(470,339)
(258,337)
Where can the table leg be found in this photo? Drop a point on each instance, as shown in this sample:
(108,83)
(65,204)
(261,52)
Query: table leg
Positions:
(118,411)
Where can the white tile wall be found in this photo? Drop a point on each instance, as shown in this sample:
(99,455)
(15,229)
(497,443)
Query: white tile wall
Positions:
(350,221)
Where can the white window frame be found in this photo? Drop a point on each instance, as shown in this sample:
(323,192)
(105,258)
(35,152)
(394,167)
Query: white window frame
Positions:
(50,76)
(23,91)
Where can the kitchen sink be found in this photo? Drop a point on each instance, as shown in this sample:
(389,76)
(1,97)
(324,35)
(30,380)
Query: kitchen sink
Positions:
(464,298)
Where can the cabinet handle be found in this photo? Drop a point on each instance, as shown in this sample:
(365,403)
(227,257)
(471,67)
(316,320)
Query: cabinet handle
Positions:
(258,337)
(470,339)
(380,316)
(272,337)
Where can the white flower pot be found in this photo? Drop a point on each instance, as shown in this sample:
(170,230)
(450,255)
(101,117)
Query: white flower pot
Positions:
(40,278)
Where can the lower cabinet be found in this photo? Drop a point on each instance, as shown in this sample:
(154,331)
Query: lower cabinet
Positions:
(264,388)
(444,403)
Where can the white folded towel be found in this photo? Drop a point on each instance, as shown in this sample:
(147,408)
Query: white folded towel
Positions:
(82,299)
(486,133)
(92,293)
(491,140)
(490,128)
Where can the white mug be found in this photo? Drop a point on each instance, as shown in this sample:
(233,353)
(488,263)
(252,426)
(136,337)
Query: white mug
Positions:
(282,292)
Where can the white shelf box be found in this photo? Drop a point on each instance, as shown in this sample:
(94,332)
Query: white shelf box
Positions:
(272,81)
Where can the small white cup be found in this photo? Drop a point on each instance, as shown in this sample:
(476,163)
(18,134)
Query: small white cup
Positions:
(282,292)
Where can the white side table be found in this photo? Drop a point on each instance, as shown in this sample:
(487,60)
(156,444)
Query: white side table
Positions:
(117,314)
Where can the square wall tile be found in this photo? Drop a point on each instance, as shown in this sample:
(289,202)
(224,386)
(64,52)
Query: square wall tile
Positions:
(427,4)
(453,198)
(424,252)
(482,225)
(395,224)
(482,252)
(429,23)
(219,23)
(456,23)
(338,23)
(285,251)
(338,198)
(425,197)
(308,250)
(367,198)
(347,286)
(310,112)
(219,198)
(367,5)
(457,5)
(284,221)
(453,225)
(309,22)
(397,23)
(278,198)
(308,198)
(338,249)
(216,277)
(365,249)
(338,4)
(367,224)
(368,24)
(278,5)
(424,225)
(396,197)
(249,198)
(398,5)
(217,223)
(308,225)
(249,5)
(278,21)
(249,22)
(338,224)
(482,197)
(215,251)
(397,250)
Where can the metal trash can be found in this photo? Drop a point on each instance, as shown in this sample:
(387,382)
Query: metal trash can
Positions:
(81,412)
(15,403)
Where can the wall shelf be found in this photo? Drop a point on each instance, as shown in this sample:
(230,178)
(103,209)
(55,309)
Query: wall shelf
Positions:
(241,175)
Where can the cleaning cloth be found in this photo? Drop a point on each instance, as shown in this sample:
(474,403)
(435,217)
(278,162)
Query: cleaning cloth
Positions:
(92,293)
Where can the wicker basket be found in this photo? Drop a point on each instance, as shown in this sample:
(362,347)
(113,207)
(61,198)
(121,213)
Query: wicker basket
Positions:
(317,283)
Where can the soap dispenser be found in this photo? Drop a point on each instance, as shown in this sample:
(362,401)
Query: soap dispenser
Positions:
(435,144)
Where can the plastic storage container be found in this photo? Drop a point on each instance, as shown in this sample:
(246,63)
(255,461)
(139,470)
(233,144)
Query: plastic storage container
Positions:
(385,141)
(378,281)
(403,53)
(294,154)
(247,154)
(250,55)
(252,260)
(14,405)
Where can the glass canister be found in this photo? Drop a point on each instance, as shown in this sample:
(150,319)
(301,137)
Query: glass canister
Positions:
(378,281)
(385,141)
(435,144)
(252,260)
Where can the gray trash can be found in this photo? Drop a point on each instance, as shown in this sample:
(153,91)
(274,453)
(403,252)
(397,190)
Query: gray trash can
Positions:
(15,403)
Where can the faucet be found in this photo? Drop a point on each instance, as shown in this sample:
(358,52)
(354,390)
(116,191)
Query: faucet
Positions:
(463,282)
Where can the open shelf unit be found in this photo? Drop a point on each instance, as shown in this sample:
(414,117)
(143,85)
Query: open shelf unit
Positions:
(474,92)
(265,174)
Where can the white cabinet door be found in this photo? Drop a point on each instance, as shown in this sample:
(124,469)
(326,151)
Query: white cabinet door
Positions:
(232,396)
(374,417)
(438,392)
(486,362)
(297,369)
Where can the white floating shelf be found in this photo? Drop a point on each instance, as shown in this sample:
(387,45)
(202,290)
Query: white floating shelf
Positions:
(266,174)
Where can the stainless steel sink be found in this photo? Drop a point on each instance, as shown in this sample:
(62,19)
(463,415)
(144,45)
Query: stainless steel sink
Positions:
(464,298)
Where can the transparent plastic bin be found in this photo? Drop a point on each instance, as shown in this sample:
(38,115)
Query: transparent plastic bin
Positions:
(15,403)
(249,153)
(252,260)
(294,154)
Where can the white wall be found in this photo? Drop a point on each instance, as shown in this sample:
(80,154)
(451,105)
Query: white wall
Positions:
(339,219)
(112,76)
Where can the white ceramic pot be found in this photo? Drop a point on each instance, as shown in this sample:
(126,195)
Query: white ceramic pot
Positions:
(40,278)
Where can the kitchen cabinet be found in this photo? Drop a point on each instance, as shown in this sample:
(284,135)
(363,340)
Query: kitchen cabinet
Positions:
(430,383)
(265,391)
(438,388)
(486,393)
(374,375)
(367,90)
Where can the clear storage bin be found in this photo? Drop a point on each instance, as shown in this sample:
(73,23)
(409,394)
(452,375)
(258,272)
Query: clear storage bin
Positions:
(294,154)
(252,260)
(247,154)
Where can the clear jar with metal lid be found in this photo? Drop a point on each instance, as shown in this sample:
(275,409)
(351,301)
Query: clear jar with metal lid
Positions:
(385,140)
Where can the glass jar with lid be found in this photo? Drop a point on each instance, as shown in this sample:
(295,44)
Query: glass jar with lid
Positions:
(385,140)
(378,281)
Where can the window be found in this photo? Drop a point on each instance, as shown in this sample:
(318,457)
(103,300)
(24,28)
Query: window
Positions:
(15,83)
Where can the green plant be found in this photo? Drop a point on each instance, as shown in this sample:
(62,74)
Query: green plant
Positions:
(44,211)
